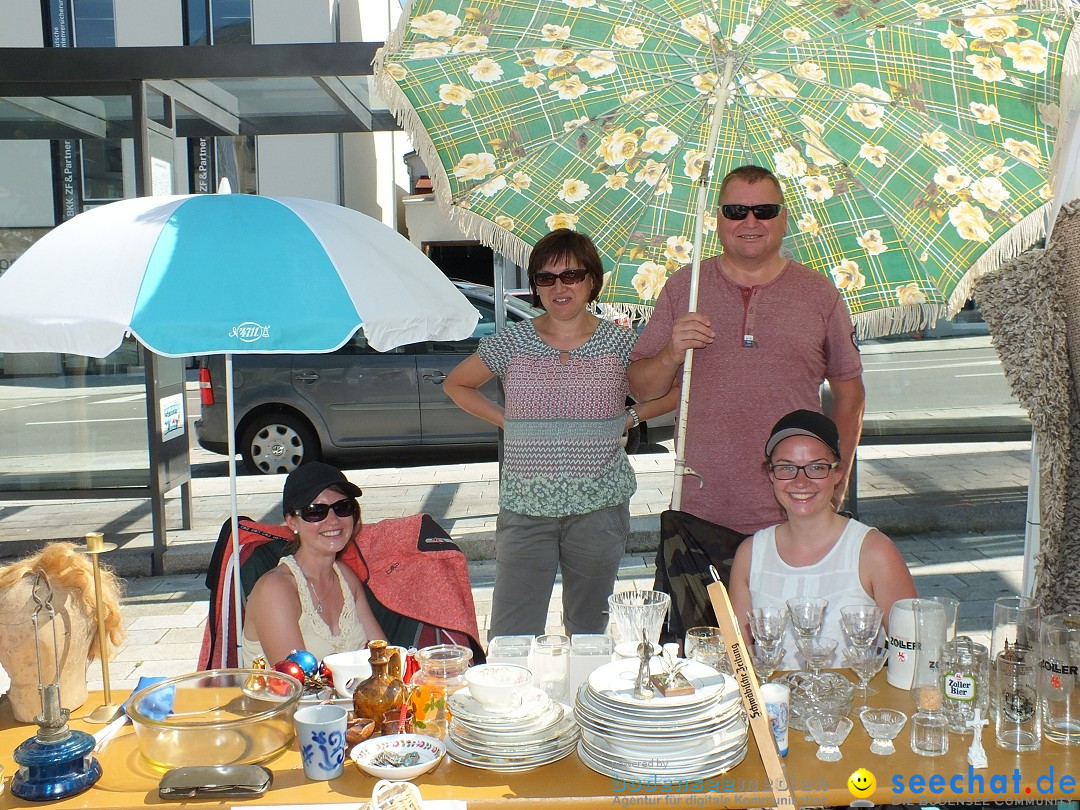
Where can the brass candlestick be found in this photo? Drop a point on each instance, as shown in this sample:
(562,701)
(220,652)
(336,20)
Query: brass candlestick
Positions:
(108,711)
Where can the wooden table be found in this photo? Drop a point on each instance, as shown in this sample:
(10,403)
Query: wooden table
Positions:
(129,781)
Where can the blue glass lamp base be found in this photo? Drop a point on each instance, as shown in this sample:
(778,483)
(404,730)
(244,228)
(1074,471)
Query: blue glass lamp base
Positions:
(55,770)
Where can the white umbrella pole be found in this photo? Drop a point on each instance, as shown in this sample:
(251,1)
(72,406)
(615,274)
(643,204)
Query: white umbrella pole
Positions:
(723,93)
(238,598)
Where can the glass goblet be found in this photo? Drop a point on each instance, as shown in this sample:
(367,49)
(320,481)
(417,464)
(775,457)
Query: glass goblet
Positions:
(766,660)
(807,613)
(882,725)
(865,663)
(861,623)
(818,653)
(829,732)
(697,635)
(713,653)
(768,625)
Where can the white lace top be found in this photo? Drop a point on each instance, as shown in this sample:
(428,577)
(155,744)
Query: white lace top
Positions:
(318,639)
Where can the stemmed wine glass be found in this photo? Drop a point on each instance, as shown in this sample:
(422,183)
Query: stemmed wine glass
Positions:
(768,625)
(865,662)
(807,613)
(766,660)
(861,624)
(818,653)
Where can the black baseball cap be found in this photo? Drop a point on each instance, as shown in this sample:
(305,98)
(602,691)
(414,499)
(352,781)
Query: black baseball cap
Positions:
(306,482)
(805,423)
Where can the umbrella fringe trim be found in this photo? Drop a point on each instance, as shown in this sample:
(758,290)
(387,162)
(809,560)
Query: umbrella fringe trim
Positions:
(1021,237)
(897,320)
(625,312)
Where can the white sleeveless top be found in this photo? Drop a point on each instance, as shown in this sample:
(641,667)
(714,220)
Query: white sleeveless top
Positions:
(318,639)
(834,577)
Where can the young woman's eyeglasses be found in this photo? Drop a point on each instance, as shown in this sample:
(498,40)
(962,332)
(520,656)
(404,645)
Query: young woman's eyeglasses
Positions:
(571,276)
(317,512)
(763,211)
(815,469)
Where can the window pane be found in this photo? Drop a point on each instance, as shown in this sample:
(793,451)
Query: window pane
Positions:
(232,22)
(80,421)
(95,25)
(196,28)
(102,170)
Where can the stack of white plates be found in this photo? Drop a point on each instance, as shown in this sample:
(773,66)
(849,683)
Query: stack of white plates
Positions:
(536,732)
(681,737)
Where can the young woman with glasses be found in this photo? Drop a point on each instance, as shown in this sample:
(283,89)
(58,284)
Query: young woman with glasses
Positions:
(566,482)
(816,551)
(310,601)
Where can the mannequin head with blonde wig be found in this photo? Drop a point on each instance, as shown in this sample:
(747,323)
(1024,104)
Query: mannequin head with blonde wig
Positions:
(67,581)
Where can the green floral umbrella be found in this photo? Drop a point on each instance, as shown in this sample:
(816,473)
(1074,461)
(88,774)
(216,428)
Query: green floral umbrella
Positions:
(915,140)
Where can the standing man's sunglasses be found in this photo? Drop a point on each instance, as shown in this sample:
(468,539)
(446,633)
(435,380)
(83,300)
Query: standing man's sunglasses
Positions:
(763,211)
(317,512)
(572,276)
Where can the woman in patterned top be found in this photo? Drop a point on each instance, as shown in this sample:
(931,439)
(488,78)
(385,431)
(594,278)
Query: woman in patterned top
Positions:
(566,482)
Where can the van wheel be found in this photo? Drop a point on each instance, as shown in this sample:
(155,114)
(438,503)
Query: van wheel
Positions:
(277,443)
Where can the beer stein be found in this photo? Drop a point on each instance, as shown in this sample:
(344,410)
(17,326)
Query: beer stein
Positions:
(1059,686)
(964,667)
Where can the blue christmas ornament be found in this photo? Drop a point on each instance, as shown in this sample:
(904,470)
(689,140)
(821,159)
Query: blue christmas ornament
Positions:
(305,660)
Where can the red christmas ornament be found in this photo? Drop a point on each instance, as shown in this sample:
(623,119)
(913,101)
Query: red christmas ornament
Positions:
(325,674)
(290,668)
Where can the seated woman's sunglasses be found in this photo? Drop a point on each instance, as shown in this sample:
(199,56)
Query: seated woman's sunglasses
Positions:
(317,512)
(763,211)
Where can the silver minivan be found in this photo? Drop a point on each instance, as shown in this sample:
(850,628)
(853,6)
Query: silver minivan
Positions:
(292,408)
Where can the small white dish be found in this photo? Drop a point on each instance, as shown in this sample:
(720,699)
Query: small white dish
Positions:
(498,687)
(372,756)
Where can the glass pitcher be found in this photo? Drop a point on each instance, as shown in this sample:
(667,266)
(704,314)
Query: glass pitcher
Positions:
(965,682)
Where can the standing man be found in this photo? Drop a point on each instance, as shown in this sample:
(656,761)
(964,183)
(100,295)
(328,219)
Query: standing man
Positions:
(767,332)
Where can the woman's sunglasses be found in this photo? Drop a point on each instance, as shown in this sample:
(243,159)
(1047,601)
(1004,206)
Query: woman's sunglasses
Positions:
(763,211)
(317,512)
(572,276)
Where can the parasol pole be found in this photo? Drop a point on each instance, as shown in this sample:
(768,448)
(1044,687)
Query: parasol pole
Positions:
(238,601)
(722,94)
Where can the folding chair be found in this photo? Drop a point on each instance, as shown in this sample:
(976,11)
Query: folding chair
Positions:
(416,578)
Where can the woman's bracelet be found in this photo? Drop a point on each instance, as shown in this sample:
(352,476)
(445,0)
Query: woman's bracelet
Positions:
(633,417)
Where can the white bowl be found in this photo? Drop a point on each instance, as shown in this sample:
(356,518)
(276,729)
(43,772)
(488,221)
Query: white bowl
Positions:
(429,749)
(346,666)
(498,686)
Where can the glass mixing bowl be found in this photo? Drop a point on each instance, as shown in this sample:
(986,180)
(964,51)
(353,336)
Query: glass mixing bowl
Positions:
(218,717)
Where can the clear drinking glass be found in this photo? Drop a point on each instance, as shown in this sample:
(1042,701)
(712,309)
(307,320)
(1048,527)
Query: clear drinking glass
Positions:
(635,612)
(551,666)
(818,653)
(861,624)
(766,661)
(807,613)
(706,645)
(829,732)
(768,625)
(865,662)
(510,650)
(1059,684)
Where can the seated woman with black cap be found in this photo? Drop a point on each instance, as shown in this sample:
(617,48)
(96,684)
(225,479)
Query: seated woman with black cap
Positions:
(816,552)
(311,601)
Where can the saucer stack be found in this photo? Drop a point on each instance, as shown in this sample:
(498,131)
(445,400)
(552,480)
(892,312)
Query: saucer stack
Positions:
(536,732)
(680,737)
